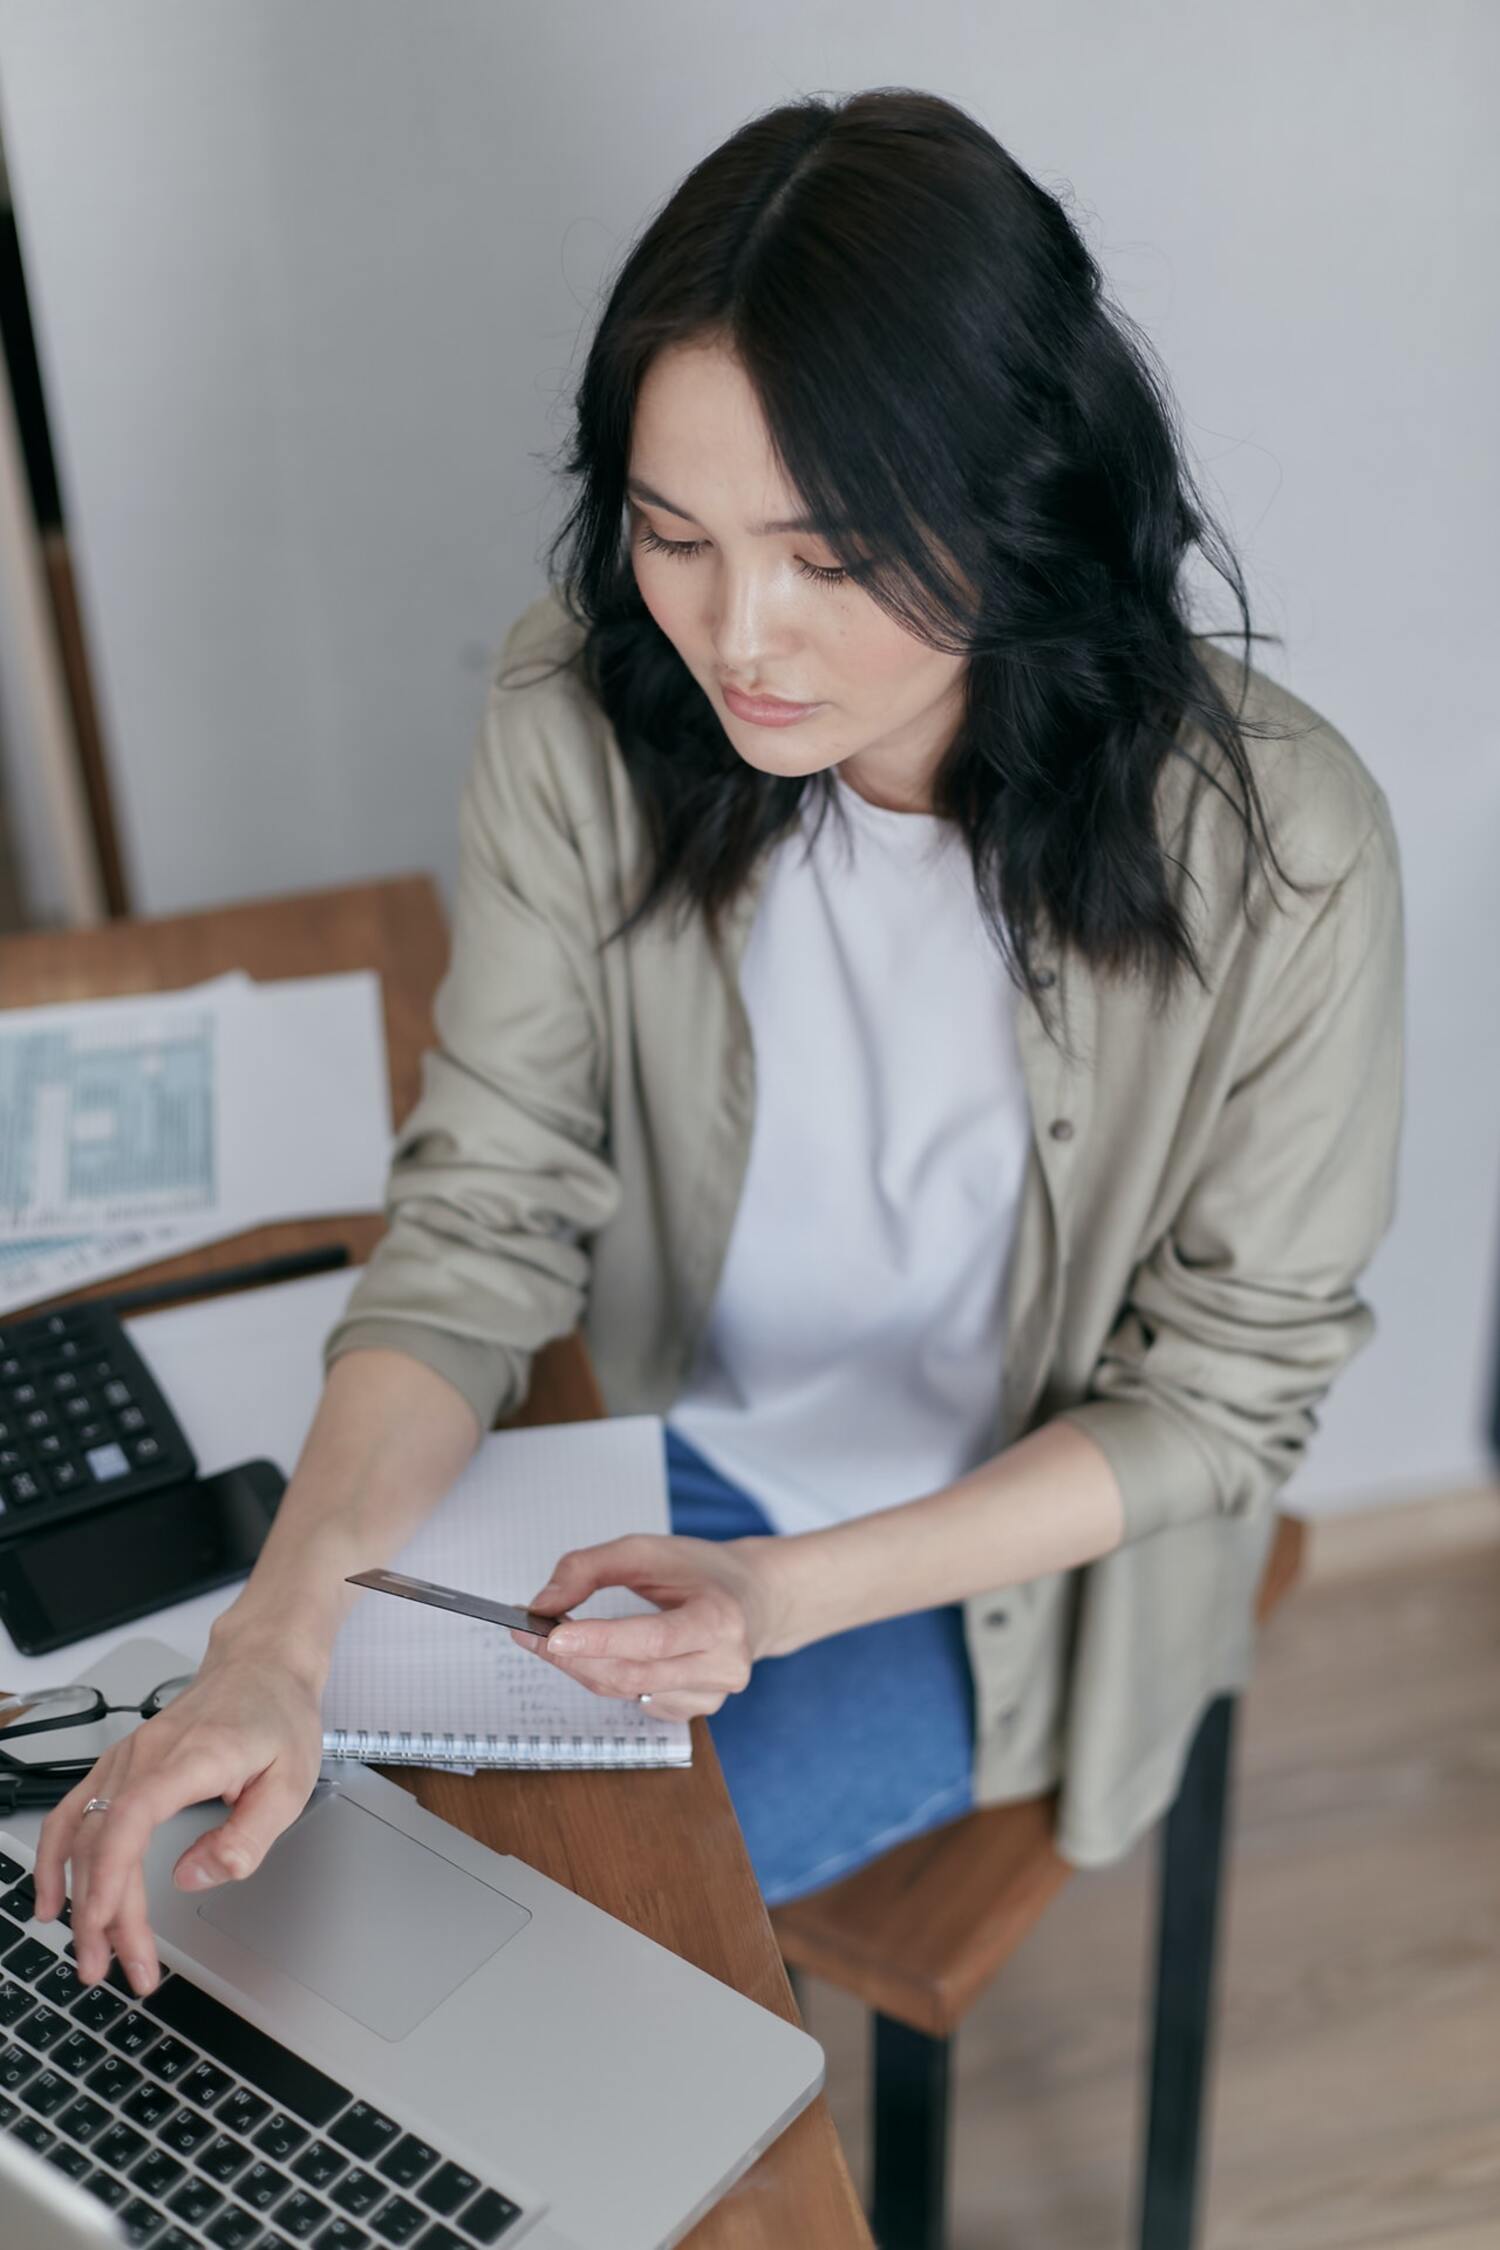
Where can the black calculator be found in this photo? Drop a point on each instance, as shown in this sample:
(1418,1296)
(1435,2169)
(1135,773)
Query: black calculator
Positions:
(82,1423)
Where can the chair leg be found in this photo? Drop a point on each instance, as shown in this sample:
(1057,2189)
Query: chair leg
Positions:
(910,2137)
(1191,1868)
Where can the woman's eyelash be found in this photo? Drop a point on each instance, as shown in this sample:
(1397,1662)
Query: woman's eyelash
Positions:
(688,547)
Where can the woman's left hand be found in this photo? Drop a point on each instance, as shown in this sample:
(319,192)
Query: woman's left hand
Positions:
(716,1612)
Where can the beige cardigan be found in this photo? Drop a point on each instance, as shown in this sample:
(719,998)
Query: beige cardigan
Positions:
(1205,1185)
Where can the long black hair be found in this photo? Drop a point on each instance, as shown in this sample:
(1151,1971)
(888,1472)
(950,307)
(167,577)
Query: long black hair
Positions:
(927,336)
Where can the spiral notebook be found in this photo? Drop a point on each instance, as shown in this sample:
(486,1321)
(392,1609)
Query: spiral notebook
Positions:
(416,1686)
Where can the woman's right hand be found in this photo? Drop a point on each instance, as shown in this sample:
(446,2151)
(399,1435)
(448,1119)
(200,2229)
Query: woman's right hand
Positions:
(249,1731)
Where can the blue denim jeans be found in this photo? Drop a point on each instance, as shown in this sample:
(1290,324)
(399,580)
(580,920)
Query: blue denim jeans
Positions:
(846,1747)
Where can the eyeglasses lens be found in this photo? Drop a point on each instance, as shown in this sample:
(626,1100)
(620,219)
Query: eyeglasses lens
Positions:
(54,1704)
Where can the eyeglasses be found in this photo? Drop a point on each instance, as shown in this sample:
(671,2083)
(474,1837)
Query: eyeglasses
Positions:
(30,1784)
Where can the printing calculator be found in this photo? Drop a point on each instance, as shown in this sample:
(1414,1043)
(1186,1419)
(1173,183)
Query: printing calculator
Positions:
(82,1423)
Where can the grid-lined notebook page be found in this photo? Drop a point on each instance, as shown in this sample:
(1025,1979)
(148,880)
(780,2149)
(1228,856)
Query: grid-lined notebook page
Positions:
(424,1686)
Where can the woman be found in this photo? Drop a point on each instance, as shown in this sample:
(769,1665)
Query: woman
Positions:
(960,1094)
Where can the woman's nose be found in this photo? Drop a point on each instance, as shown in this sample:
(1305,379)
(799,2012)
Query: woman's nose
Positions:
(750,627)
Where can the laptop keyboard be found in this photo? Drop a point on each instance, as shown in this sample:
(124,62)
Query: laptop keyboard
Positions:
(195,2127)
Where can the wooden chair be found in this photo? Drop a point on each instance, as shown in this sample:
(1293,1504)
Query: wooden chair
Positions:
(919,1934)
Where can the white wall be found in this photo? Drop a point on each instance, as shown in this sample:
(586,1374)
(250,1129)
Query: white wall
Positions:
(310,281)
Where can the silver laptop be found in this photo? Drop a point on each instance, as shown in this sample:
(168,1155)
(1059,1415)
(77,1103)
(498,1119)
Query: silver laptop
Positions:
(387,2034)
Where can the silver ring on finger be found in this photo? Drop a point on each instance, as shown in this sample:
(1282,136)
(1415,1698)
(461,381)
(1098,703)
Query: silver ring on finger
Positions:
(643,1699)
(96,1804)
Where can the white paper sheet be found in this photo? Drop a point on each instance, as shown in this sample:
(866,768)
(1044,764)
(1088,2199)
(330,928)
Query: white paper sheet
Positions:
(300,1127)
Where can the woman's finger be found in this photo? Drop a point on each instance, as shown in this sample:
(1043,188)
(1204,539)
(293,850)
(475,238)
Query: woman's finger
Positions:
(714,1672)
(130,1937)
(696,1624)
(263,1808)
(614,1562)
(56,1844)
(686,1706)
(186,1777)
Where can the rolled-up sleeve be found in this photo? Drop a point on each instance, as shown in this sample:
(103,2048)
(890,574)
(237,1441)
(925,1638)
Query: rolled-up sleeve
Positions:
(500,1174)
(1205,1396)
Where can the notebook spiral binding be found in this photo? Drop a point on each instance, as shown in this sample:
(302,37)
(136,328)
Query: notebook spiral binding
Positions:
(387,1749)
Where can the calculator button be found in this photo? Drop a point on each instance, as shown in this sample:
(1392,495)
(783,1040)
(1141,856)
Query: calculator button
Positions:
(37,1418)
(79,1407)
(65,1476)
(23,1490)
(23,1394)
(50,1447)
(146,1450)
(9,1459)
(92,1433)
(105,1461)
(10,1369)
(117,1393)
(131,1419)
(66,1381)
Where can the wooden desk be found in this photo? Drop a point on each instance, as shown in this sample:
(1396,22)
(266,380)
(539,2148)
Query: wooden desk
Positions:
(661,1850)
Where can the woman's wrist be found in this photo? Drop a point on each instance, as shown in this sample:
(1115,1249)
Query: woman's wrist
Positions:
(291,1608)
(779,1567)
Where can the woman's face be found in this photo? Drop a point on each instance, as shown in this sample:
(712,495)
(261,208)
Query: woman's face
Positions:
(751,605)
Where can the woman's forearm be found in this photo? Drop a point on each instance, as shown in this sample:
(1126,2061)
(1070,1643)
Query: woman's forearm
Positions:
(1047,1503)
(387,1441)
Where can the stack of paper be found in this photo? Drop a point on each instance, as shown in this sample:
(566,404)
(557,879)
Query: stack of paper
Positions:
(131,1129)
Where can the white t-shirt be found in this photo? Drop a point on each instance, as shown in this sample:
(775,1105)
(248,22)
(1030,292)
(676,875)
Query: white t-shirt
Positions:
(852,1356)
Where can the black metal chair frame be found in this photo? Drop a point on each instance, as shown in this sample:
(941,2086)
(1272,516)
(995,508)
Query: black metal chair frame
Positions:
(911,2068)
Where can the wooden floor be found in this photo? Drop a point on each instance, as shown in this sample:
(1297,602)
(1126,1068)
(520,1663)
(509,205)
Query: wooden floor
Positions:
(1357,2096)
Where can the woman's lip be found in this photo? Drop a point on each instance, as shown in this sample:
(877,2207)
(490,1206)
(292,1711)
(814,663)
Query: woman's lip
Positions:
(765,710)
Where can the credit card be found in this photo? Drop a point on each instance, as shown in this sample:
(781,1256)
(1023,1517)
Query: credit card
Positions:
(451,1597)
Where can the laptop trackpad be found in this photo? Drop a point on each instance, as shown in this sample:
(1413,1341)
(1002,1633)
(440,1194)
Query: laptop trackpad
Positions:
(365,1916)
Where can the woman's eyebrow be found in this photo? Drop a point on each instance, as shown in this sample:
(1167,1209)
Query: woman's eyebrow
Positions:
(640,491)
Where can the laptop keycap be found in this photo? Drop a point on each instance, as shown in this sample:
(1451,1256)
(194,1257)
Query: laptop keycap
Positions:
(447,2188)
(280,2135)
(407,2160)
(119,2147)
(222,2158)
(156,2172)
(195,2201)
(262,2186)
(77,2053)
(242,2111)
(107,2188)
(47,2092)
(97,2007)
(82,2119)
(340,2234)
(234,2230)
(364,2131)
(358,2192)
(320,2164)
(488,2216)
(399,2220)
(301,2215)
(186,2130)
(149,2104)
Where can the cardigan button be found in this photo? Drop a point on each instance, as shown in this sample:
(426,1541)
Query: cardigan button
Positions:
(1046,978)
(997,1617)
(1061,1128)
